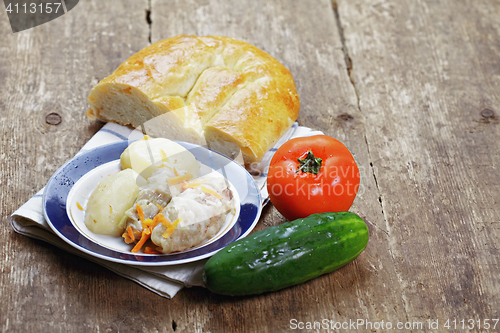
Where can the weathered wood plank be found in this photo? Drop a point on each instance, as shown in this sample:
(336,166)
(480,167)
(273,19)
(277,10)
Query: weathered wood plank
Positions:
(428,78)
(50,69)
(406,69)
(304,37)
(55,289)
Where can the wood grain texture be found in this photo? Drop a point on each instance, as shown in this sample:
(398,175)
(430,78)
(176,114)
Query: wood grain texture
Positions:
(426,73)
(423,73)
(50,69)
(304,37)
(109,302)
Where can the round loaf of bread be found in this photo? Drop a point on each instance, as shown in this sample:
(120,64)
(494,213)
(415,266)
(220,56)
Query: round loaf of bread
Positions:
(209,90)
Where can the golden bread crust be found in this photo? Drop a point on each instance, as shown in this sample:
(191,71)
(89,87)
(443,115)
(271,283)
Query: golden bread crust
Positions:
(235,92)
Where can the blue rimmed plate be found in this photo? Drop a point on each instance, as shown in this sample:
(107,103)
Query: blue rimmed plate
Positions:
(82,173)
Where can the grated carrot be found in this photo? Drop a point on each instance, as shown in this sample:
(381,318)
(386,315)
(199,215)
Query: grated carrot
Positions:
(171,229)
(165,166)
(156,221)
(149,250)
(144,238)
(159,207)
(164,156)
(140,212)
(210,191)
(190,185)
(130,233)
(128,236)
(180,179)
(163,220)
(147,223)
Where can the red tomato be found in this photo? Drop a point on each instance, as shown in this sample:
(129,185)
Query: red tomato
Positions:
(310,175)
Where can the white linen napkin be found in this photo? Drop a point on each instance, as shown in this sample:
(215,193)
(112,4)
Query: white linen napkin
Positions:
(166,280)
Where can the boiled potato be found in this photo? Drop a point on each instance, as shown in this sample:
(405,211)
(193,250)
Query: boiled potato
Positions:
(140,155)
(110,200)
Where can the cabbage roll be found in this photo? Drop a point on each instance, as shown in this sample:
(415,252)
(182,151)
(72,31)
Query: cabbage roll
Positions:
(164,183)
(194,216)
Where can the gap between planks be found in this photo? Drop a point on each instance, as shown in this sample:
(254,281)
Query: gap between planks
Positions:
(350,69)
(348,63)
(149,21)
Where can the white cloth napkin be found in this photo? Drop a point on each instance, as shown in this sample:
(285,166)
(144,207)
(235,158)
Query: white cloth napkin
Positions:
(166,281)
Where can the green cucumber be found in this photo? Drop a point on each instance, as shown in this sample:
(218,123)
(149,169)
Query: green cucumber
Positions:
(286,255)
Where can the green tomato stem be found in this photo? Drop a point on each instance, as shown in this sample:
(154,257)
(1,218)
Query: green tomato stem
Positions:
(310,164)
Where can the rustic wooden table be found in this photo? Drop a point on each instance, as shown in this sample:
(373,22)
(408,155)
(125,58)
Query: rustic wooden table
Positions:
(412,87)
